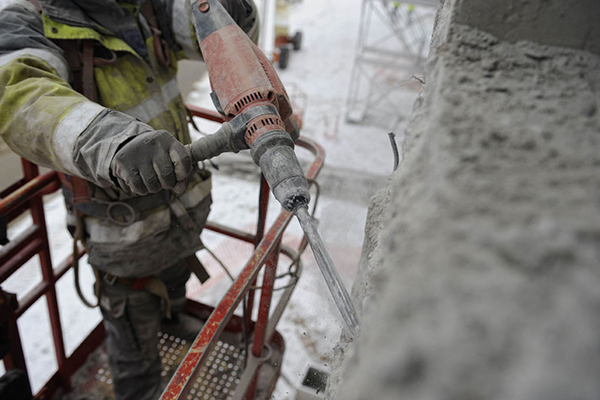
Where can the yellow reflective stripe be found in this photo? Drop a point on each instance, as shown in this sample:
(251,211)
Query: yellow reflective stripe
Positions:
(155,105)
(70,127)
(53,59)
(183,29)
(57,30)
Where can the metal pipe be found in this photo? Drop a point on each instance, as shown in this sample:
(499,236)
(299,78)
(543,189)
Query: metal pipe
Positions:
(266,295)
(26,192)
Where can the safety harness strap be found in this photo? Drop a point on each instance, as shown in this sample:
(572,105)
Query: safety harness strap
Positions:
(161,47)
(123,212)
(150,284)
(80,56)
(196,268)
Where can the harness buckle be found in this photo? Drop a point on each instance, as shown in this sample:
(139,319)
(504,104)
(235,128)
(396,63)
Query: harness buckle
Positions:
(129,217)
(110,279)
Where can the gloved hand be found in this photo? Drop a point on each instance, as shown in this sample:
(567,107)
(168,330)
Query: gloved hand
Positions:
(238,9)
(150,162)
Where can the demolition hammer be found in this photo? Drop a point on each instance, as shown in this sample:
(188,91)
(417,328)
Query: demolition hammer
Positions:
(248,93)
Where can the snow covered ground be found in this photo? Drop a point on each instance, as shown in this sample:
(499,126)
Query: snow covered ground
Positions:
(359,160)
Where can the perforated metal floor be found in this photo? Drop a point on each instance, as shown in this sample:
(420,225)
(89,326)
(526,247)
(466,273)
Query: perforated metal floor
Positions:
(216,380)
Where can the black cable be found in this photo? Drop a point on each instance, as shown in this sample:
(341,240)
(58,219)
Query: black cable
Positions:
(392,137)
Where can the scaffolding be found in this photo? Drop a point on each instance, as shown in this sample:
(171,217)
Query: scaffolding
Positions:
(391,50)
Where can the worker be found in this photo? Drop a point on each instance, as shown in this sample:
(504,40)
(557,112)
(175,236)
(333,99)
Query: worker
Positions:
(88,88)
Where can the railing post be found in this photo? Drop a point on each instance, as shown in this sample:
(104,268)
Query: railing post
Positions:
(263,205)
(262,320)
(37,213)
(266,294)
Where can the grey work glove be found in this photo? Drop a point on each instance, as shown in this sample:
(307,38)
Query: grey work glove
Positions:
(150,162)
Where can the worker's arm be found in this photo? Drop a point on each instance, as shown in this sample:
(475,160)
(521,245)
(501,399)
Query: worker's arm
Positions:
(243,12)
(44,120)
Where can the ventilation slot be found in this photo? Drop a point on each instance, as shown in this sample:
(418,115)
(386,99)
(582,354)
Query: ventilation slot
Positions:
(244,101)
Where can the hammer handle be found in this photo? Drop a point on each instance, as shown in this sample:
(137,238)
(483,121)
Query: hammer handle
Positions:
(212,145)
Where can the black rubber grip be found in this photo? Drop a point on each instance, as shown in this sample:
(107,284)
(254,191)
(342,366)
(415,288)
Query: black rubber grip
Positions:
(212,145)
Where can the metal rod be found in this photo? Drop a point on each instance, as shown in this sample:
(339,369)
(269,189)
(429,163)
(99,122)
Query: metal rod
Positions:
(231,232)
(266,294)
(247,377)
(205,113)
(24,251)
(263,205)
(34,294)
(338,291)
(26,192)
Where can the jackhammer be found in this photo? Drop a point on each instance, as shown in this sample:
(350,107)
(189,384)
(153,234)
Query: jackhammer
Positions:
(248,93)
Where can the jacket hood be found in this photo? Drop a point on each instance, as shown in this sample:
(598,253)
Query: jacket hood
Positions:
(105,16)
(97,14)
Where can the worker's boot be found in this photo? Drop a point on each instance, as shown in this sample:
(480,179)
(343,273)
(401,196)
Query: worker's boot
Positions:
(181,324)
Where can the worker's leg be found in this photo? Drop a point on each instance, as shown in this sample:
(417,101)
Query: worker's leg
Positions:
(175,278)
(180,324)
(132,320)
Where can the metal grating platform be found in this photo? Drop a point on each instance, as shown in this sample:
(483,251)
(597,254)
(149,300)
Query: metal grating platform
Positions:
(216,381)
(171,350)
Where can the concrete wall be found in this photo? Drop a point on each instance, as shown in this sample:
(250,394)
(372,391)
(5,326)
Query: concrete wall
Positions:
(480,275)
(568,23)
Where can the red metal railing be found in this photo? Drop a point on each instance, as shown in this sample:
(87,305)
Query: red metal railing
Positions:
(266,254)
(27,195)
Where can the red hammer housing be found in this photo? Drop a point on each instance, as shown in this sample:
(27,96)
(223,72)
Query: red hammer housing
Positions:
(249,94)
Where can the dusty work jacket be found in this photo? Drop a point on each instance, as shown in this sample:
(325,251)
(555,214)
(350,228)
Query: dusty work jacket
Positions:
(44,120)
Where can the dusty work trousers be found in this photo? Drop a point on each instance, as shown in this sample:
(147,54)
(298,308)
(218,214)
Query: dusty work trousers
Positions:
(132,319)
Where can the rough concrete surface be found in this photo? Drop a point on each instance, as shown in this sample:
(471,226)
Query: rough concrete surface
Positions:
(569,23)
(480,279)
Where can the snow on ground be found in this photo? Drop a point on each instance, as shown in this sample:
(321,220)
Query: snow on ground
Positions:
(359,160)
